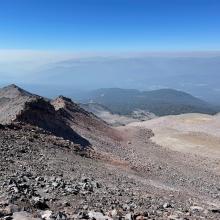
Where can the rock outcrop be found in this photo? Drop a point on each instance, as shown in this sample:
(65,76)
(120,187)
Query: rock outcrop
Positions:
(18,105)
(85,123)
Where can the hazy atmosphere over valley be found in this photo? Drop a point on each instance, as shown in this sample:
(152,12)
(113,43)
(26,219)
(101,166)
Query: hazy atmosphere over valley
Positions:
(109,109)
(193,72)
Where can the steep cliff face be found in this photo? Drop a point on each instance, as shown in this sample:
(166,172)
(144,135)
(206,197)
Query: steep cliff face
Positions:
(21,106)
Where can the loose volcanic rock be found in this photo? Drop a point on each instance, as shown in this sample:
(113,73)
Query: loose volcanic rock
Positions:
(45,176)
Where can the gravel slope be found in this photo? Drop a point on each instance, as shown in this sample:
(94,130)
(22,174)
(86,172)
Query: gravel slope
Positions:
(42,175)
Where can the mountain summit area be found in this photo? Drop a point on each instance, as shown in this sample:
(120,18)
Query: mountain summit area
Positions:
(62,162)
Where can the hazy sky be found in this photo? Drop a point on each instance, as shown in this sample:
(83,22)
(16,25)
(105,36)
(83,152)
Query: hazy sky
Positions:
(86,44)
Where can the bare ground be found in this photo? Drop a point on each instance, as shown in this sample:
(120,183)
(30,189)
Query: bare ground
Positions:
(135,177)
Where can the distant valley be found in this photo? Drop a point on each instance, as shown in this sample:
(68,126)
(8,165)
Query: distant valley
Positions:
(115,119)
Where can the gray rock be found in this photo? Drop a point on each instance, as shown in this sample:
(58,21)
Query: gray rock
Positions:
(98,216)
(60,216)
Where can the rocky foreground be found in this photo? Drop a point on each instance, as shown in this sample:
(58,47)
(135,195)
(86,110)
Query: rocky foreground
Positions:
(59,162)
(46,177)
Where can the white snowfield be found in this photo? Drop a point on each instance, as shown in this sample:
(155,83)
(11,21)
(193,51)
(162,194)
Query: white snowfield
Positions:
(188,133)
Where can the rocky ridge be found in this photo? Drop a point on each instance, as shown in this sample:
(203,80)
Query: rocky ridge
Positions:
(80,119)
(22,106)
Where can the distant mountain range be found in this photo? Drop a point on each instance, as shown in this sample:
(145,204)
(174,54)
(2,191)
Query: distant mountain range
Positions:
(197,74)
(160,102)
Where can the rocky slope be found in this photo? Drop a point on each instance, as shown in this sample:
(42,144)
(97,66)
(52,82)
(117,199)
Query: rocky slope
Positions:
(77,117)
(89,126)
(123,175)
(46,177)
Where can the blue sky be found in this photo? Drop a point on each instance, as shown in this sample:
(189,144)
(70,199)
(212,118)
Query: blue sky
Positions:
(88,44)
(110,25)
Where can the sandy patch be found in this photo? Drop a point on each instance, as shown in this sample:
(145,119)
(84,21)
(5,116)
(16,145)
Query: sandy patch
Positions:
(191,133)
